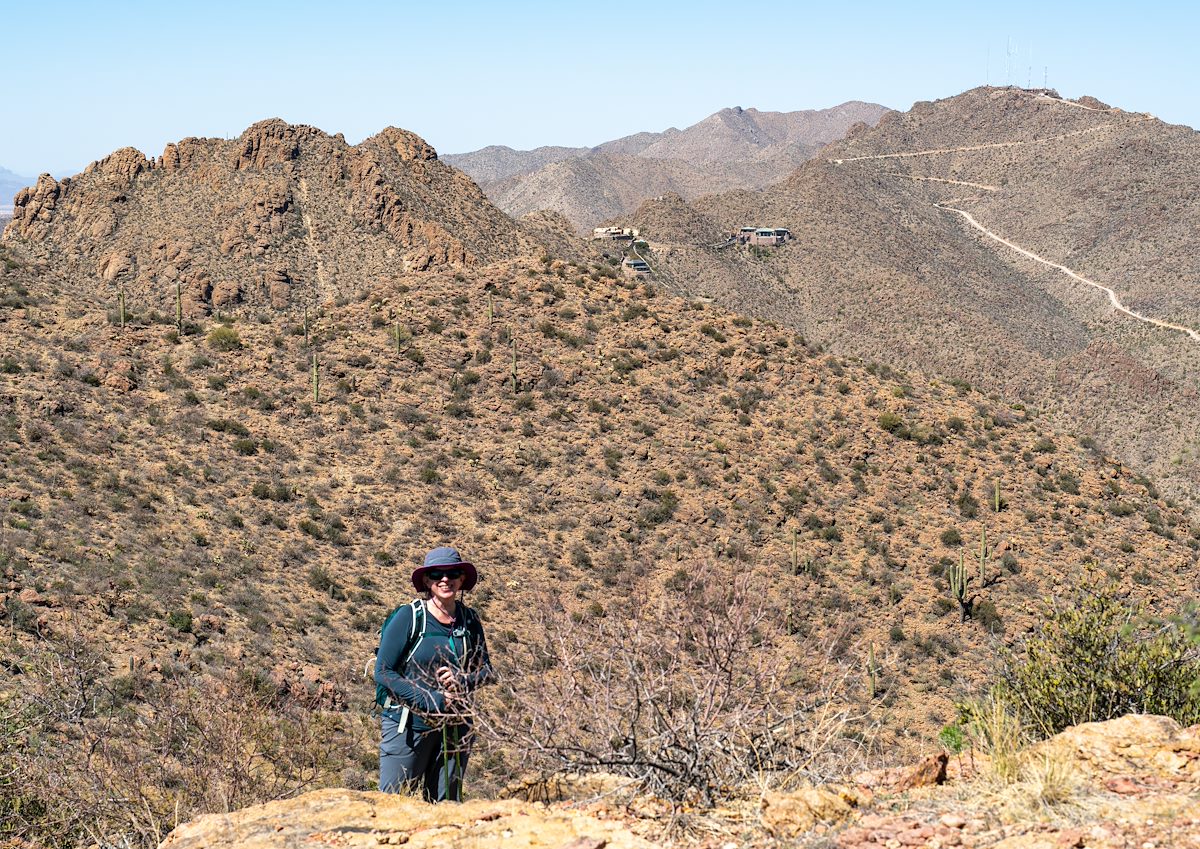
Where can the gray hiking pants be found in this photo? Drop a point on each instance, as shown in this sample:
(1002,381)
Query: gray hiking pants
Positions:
(432,760)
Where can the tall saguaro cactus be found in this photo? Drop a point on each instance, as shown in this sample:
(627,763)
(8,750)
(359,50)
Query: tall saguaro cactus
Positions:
(513,340)
(960,587)
(178,308)
(316,379)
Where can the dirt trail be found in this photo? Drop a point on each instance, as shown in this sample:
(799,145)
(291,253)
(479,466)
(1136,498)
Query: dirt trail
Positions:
(311,241)
(1112,296)
(989,146)
(983,186)
(1028,254)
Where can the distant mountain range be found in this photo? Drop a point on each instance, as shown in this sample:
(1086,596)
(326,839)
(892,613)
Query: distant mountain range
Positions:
(731,149)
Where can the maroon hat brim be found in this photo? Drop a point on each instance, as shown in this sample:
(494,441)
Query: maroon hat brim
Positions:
(470,576)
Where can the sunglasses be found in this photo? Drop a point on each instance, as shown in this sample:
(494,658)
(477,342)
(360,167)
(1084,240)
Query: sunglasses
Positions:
(436,575)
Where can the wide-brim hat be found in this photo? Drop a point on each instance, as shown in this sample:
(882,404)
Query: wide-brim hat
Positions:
(445,558)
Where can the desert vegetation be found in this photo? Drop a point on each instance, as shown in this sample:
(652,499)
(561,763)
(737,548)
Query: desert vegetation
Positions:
(715,555)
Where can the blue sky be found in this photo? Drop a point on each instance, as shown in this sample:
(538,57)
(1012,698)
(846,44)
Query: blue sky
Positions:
(86,78)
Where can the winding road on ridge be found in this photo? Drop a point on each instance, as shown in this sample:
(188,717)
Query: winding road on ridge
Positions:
(1113,298)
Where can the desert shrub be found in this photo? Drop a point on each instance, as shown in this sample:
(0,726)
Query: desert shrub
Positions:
(695,702)
(321,580)
(74,770)
(891,422)
(1099,658)
(1045,445)
(224,338)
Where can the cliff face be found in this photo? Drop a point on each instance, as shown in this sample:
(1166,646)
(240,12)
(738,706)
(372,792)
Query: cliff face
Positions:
(279,215)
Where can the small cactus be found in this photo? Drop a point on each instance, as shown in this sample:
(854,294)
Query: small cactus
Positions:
(872,672)
(121,302)
(513,340)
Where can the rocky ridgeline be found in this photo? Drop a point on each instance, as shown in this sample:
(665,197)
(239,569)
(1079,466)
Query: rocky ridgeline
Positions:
(1129,782)
(279,216)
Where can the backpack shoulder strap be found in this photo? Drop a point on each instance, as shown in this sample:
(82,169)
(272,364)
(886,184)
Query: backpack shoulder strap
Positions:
(416,632)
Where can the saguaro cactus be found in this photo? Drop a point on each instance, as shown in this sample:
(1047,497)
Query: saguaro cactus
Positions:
(121,303)
(178,308)
(513,341)
(872,672)
(316,379)
(960,587)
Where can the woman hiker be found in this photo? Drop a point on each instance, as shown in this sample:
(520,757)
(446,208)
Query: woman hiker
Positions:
(432,655)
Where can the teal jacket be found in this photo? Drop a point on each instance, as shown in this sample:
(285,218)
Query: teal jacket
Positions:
(412,680)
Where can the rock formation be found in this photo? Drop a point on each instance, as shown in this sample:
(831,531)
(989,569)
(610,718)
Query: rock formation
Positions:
(281,213)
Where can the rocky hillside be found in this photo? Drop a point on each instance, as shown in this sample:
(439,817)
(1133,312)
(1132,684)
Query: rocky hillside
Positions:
(200,508)
(281,216)
(733,148)
(215,514)
(887,265)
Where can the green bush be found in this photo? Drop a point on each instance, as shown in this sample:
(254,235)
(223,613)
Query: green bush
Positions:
(1099,658)
(224,338)
(891,422)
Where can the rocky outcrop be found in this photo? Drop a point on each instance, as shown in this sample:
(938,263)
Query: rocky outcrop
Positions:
(1137,786)
(282,214)
(350,819)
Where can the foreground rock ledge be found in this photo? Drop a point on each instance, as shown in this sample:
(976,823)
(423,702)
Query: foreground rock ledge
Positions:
(354,819)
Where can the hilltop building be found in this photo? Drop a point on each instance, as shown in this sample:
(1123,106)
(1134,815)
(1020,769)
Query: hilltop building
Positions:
(615,233)
(763,236)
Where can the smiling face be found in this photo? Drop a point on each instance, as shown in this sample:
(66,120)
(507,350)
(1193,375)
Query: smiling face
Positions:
(444,584)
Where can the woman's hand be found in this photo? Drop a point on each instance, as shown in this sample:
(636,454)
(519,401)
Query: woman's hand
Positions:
(448,680)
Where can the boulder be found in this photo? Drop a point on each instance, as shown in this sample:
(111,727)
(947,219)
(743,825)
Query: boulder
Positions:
(226,293)
(1137,744)
(930,771)
(347,818)
(788,815)
(113,265)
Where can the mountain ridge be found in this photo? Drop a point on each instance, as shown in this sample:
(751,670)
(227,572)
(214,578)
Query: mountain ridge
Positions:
(732,148)
(883,265)
(265,218)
